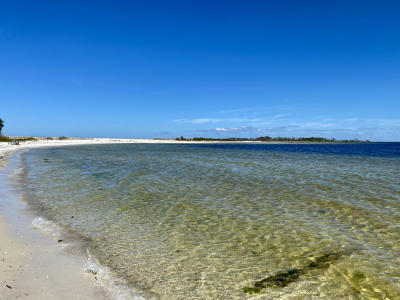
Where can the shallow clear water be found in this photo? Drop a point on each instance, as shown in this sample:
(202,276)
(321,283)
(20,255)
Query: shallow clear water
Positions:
(206,221)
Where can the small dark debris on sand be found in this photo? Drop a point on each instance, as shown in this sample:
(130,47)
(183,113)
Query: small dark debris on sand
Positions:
(285,278)
(91,271)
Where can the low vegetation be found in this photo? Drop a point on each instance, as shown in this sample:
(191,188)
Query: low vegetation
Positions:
(271,139)
(7,139)
(61,138)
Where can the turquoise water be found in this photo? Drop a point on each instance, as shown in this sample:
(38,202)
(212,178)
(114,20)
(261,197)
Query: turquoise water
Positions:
(213,221)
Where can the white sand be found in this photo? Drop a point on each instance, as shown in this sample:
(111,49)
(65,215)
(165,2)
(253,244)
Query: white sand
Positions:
(34,266)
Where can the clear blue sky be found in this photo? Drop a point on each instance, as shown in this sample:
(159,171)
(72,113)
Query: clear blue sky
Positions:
(200,68)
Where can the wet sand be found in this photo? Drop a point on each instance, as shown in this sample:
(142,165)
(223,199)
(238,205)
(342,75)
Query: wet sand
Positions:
(32,264)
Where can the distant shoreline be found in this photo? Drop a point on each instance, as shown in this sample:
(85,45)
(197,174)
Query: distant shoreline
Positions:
(6,148)
(271,139)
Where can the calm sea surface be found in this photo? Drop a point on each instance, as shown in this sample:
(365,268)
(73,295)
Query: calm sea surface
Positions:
(230,221)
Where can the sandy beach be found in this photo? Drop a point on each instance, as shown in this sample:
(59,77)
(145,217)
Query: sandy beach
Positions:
(35,265)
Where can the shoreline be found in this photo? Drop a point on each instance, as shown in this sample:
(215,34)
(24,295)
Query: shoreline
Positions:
(33,264)
(36,261)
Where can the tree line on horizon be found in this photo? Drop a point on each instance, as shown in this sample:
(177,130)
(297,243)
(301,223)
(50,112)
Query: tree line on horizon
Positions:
(270,139)
(234,139)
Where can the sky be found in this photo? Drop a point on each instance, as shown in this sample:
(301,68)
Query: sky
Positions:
(163,69)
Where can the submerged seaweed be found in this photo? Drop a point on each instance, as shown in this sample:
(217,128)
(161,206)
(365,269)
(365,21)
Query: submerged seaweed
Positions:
(280,279)
(323,262)
(285,278)
(252,289)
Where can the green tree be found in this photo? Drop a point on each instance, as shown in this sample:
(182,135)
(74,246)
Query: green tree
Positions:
(1,125)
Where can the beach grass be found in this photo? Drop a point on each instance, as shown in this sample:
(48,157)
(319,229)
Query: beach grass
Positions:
(7,139)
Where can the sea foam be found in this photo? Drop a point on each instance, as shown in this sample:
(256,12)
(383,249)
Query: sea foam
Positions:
(47,227)
(116,287)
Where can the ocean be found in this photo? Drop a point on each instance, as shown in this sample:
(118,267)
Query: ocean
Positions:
(226,221)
